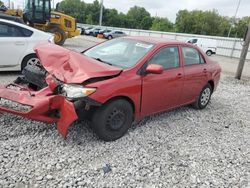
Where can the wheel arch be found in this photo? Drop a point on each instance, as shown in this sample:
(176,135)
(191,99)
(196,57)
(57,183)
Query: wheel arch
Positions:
(124,98)
(25,57)
(211,82)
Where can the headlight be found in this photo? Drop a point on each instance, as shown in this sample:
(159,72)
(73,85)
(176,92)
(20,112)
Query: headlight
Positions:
(74,91)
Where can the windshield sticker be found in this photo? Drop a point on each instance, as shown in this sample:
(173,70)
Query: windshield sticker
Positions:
(143,45)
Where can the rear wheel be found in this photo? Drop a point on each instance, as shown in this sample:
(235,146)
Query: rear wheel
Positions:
(31,59)
(204,97)
(59,34)
(111,121)
(209,52)
(110,37)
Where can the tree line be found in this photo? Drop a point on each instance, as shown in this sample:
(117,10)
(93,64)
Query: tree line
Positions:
(193,22)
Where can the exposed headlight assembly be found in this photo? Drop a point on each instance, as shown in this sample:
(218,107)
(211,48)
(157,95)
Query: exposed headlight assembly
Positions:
(74,91)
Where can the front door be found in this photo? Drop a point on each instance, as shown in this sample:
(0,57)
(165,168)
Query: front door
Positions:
(163,91)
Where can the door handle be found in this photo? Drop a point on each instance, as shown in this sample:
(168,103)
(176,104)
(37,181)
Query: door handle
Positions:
(205,70)
(179,75)
(19,43)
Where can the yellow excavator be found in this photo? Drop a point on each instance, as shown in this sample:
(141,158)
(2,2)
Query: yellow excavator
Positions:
(38,14)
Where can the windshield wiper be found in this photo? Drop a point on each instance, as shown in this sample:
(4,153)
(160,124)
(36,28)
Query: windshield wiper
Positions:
(98,59)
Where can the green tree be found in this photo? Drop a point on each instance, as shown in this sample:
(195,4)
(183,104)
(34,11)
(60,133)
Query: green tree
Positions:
(146,22)
(201,22)
(89,19)
(94,10)
(240,26)
(74,8)
(111,18)
(1,3)
(183,21)
(162,24)
(136,18)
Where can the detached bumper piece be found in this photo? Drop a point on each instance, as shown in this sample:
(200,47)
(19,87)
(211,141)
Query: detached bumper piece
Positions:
(38,105)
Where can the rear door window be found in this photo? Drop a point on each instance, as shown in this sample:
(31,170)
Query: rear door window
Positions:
(4,30)
(8,30)
(192,56)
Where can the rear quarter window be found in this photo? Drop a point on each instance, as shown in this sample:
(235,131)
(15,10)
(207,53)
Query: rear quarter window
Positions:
(26,32)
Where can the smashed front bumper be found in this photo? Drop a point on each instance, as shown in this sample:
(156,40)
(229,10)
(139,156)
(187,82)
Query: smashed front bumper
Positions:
(40,105)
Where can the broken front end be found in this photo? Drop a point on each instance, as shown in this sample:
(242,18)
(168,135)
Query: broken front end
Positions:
(40,96)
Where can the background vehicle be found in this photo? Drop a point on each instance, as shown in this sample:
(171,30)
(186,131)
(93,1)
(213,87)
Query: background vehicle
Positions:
(114,34)
(17,42)
(209,46)
(82,30)
(100,34)
(38,14)
(115,83)
(95,32)
(87,30)
(105,31)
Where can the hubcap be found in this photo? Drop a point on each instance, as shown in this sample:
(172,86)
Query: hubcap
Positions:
(33,62)
(116,120)
(205,96)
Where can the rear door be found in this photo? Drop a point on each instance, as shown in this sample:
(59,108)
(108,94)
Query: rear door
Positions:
(163,91)
(196,73)
(12,45)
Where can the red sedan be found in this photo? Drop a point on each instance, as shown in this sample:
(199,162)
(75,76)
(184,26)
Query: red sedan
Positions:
(112,84)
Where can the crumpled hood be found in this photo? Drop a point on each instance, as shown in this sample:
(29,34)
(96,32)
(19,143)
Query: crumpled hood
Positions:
(72,67)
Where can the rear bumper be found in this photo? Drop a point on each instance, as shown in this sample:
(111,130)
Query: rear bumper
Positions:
(40,106)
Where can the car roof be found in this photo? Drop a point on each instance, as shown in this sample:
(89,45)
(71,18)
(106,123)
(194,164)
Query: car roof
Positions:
(23,26)
(154,40)
(12,18)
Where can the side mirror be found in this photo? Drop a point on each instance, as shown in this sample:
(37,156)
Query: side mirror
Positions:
(154,69)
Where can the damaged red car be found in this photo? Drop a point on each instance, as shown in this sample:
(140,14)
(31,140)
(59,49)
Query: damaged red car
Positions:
(111,84)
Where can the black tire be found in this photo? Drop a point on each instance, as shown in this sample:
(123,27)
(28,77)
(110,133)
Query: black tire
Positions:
(110,37)
(204,97)
(209,52)
(26,59)
(112,120)
(60,35)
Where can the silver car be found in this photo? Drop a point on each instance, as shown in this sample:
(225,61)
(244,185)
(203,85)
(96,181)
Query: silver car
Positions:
(114,34)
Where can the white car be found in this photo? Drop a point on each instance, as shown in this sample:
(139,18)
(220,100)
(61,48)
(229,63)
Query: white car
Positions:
(209,46)
(17,42)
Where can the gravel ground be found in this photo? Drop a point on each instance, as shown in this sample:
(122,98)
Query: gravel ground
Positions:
(180,148)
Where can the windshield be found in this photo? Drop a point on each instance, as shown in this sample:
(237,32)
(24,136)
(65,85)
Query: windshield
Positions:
(123,53)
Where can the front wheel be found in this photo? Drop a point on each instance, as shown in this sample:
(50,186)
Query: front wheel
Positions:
(110,37)
(204,97)
(112,120)
(31,60)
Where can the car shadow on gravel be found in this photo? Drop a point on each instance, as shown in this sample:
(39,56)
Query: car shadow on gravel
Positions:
(81,131)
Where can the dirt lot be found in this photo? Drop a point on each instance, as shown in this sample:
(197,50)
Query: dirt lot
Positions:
(180,148)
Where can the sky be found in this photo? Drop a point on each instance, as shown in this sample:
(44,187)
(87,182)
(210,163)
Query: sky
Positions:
(169,8)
